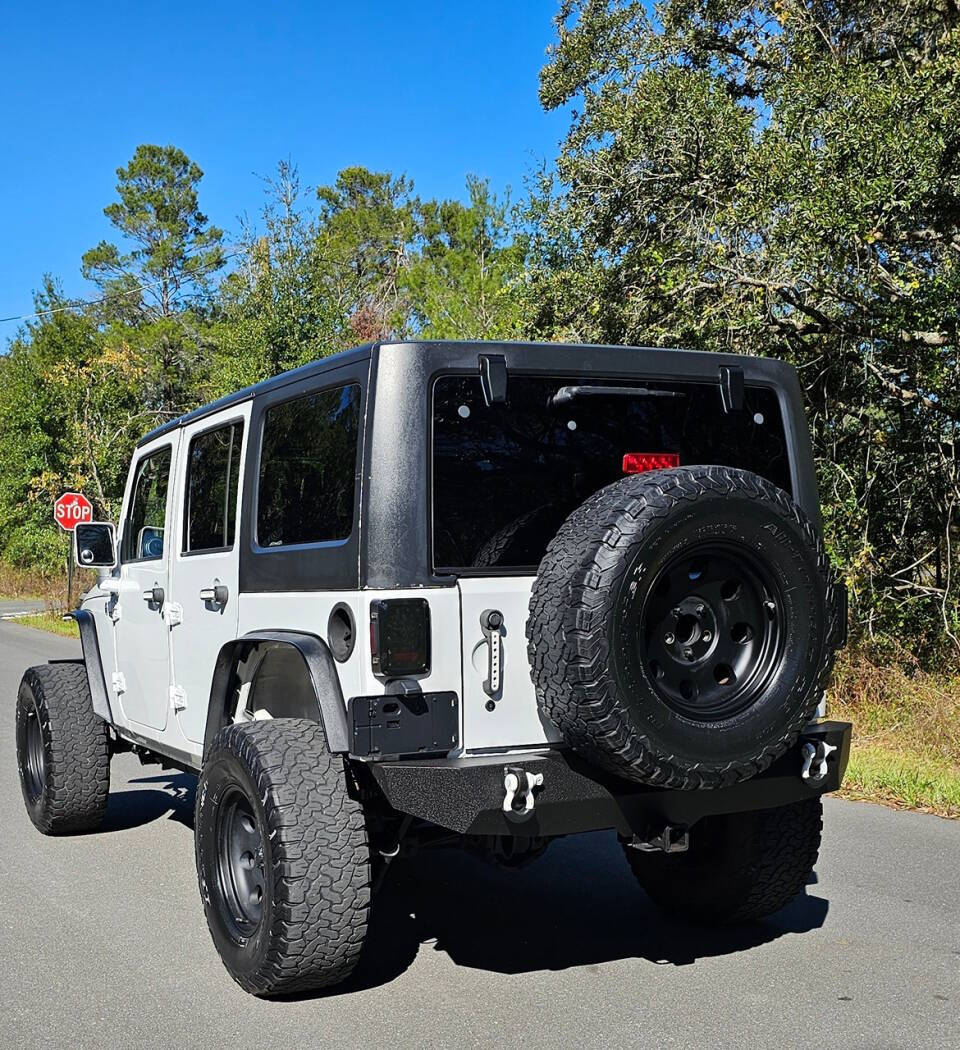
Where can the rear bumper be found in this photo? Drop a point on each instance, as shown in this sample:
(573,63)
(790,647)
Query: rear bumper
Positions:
(466,795)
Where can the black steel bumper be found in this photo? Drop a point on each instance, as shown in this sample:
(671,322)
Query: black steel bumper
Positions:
(466,795)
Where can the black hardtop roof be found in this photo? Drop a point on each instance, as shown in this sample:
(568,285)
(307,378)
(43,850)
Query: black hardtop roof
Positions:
(359,353)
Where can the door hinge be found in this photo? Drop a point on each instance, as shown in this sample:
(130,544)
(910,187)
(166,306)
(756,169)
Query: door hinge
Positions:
(178,697)
(172,613)
(119,682)
(114,610)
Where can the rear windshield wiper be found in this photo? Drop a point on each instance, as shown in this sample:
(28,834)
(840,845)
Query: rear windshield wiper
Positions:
(566,394)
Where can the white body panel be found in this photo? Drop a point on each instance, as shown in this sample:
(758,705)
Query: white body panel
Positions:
(515,721)
(309,611)
(167,666)
(142,635)
(206,627)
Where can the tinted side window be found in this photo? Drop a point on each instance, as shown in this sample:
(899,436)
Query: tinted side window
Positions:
(308,469)
(213,473)
(143,535)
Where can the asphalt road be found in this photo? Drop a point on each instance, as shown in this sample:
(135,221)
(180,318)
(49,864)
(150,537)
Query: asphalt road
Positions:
(103,941)
(19,607)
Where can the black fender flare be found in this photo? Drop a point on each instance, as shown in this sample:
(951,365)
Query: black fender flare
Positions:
(321,670)
(90,644)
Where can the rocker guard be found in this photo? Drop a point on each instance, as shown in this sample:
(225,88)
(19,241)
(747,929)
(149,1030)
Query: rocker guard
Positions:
(465,795)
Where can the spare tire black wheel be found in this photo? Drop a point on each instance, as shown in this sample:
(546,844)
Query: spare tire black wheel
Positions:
(680,626)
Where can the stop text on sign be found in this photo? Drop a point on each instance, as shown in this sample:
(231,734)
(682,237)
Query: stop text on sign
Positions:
(72,509)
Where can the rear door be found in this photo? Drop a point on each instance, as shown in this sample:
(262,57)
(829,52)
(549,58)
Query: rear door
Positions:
(143,653)
(508,470)
(205,575)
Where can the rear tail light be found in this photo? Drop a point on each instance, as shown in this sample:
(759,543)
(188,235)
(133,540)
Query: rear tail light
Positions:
(400,636)
(638,462)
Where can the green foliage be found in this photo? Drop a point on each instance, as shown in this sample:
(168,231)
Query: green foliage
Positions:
(367,260)
(781,178)
(174,250)
(464,284)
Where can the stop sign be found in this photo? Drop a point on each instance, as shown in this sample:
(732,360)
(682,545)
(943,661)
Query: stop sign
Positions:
(72,509)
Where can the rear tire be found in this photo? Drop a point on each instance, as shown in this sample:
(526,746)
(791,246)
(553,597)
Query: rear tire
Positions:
(740,866)
(63,750)
(282,857)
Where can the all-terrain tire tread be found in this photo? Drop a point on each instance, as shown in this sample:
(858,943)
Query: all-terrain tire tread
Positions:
(784,847)
(320,854)
(567,633)
(77,749)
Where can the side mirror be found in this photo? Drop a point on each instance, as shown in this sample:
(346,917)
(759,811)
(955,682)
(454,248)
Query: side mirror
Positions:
(96,545)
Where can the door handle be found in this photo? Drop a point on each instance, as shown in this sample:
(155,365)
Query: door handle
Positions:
(217,594)
(154,596)
(491,620)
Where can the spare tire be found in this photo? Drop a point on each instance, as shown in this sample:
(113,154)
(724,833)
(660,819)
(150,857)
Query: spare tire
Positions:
(680,630)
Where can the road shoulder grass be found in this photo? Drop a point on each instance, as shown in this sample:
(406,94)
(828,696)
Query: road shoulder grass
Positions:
(906,734)
(52,622)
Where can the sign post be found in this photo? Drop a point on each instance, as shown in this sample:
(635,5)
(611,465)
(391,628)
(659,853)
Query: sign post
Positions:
(69,511)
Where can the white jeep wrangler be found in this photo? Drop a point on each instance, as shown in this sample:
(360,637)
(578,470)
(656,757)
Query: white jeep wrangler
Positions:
(494,593)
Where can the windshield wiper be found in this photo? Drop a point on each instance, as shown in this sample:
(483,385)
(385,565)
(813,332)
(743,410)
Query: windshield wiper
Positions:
(566,394)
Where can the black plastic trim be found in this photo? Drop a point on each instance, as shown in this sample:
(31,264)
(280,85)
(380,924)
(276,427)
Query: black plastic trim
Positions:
(396,495)
(163,752)
(732,388)
(321,668)
(347,651)
(465,795)
(91,659)
(390,544)
(412,723)
(493,378)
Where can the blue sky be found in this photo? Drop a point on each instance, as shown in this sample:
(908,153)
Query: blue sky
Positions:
(435,90)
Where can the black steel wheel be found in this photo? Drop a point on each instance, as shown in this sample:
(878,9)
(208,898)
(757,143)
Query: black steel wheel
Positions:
(241,877)
(63,750)
(282,854)
(683,625)
(35,764)
(710,632)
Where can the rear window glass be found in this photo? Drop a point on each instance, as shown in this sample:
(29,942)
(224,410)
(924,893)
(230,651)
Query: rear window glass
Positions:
(505,476)
(308,466)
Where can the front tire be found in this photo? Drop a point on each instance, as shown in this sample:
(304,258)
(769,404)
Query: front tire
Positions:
(63,750)
(740,866)
(283,858)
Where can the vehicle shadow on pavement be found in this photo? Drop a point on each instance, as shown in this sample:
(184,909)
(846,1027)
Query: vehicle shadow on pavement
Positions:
(577,906)
(173,798)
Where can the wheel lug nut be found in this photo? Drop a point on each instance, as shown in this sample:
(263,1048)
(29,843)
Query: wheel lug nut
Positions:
(675,613)
(669,638)
(701,610)
(770,606)
(707,636)
(688,653)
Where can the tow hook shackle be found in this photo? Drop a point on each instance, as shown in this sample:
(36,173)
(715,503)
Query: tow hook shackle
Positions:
(815,759)
(518,788)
